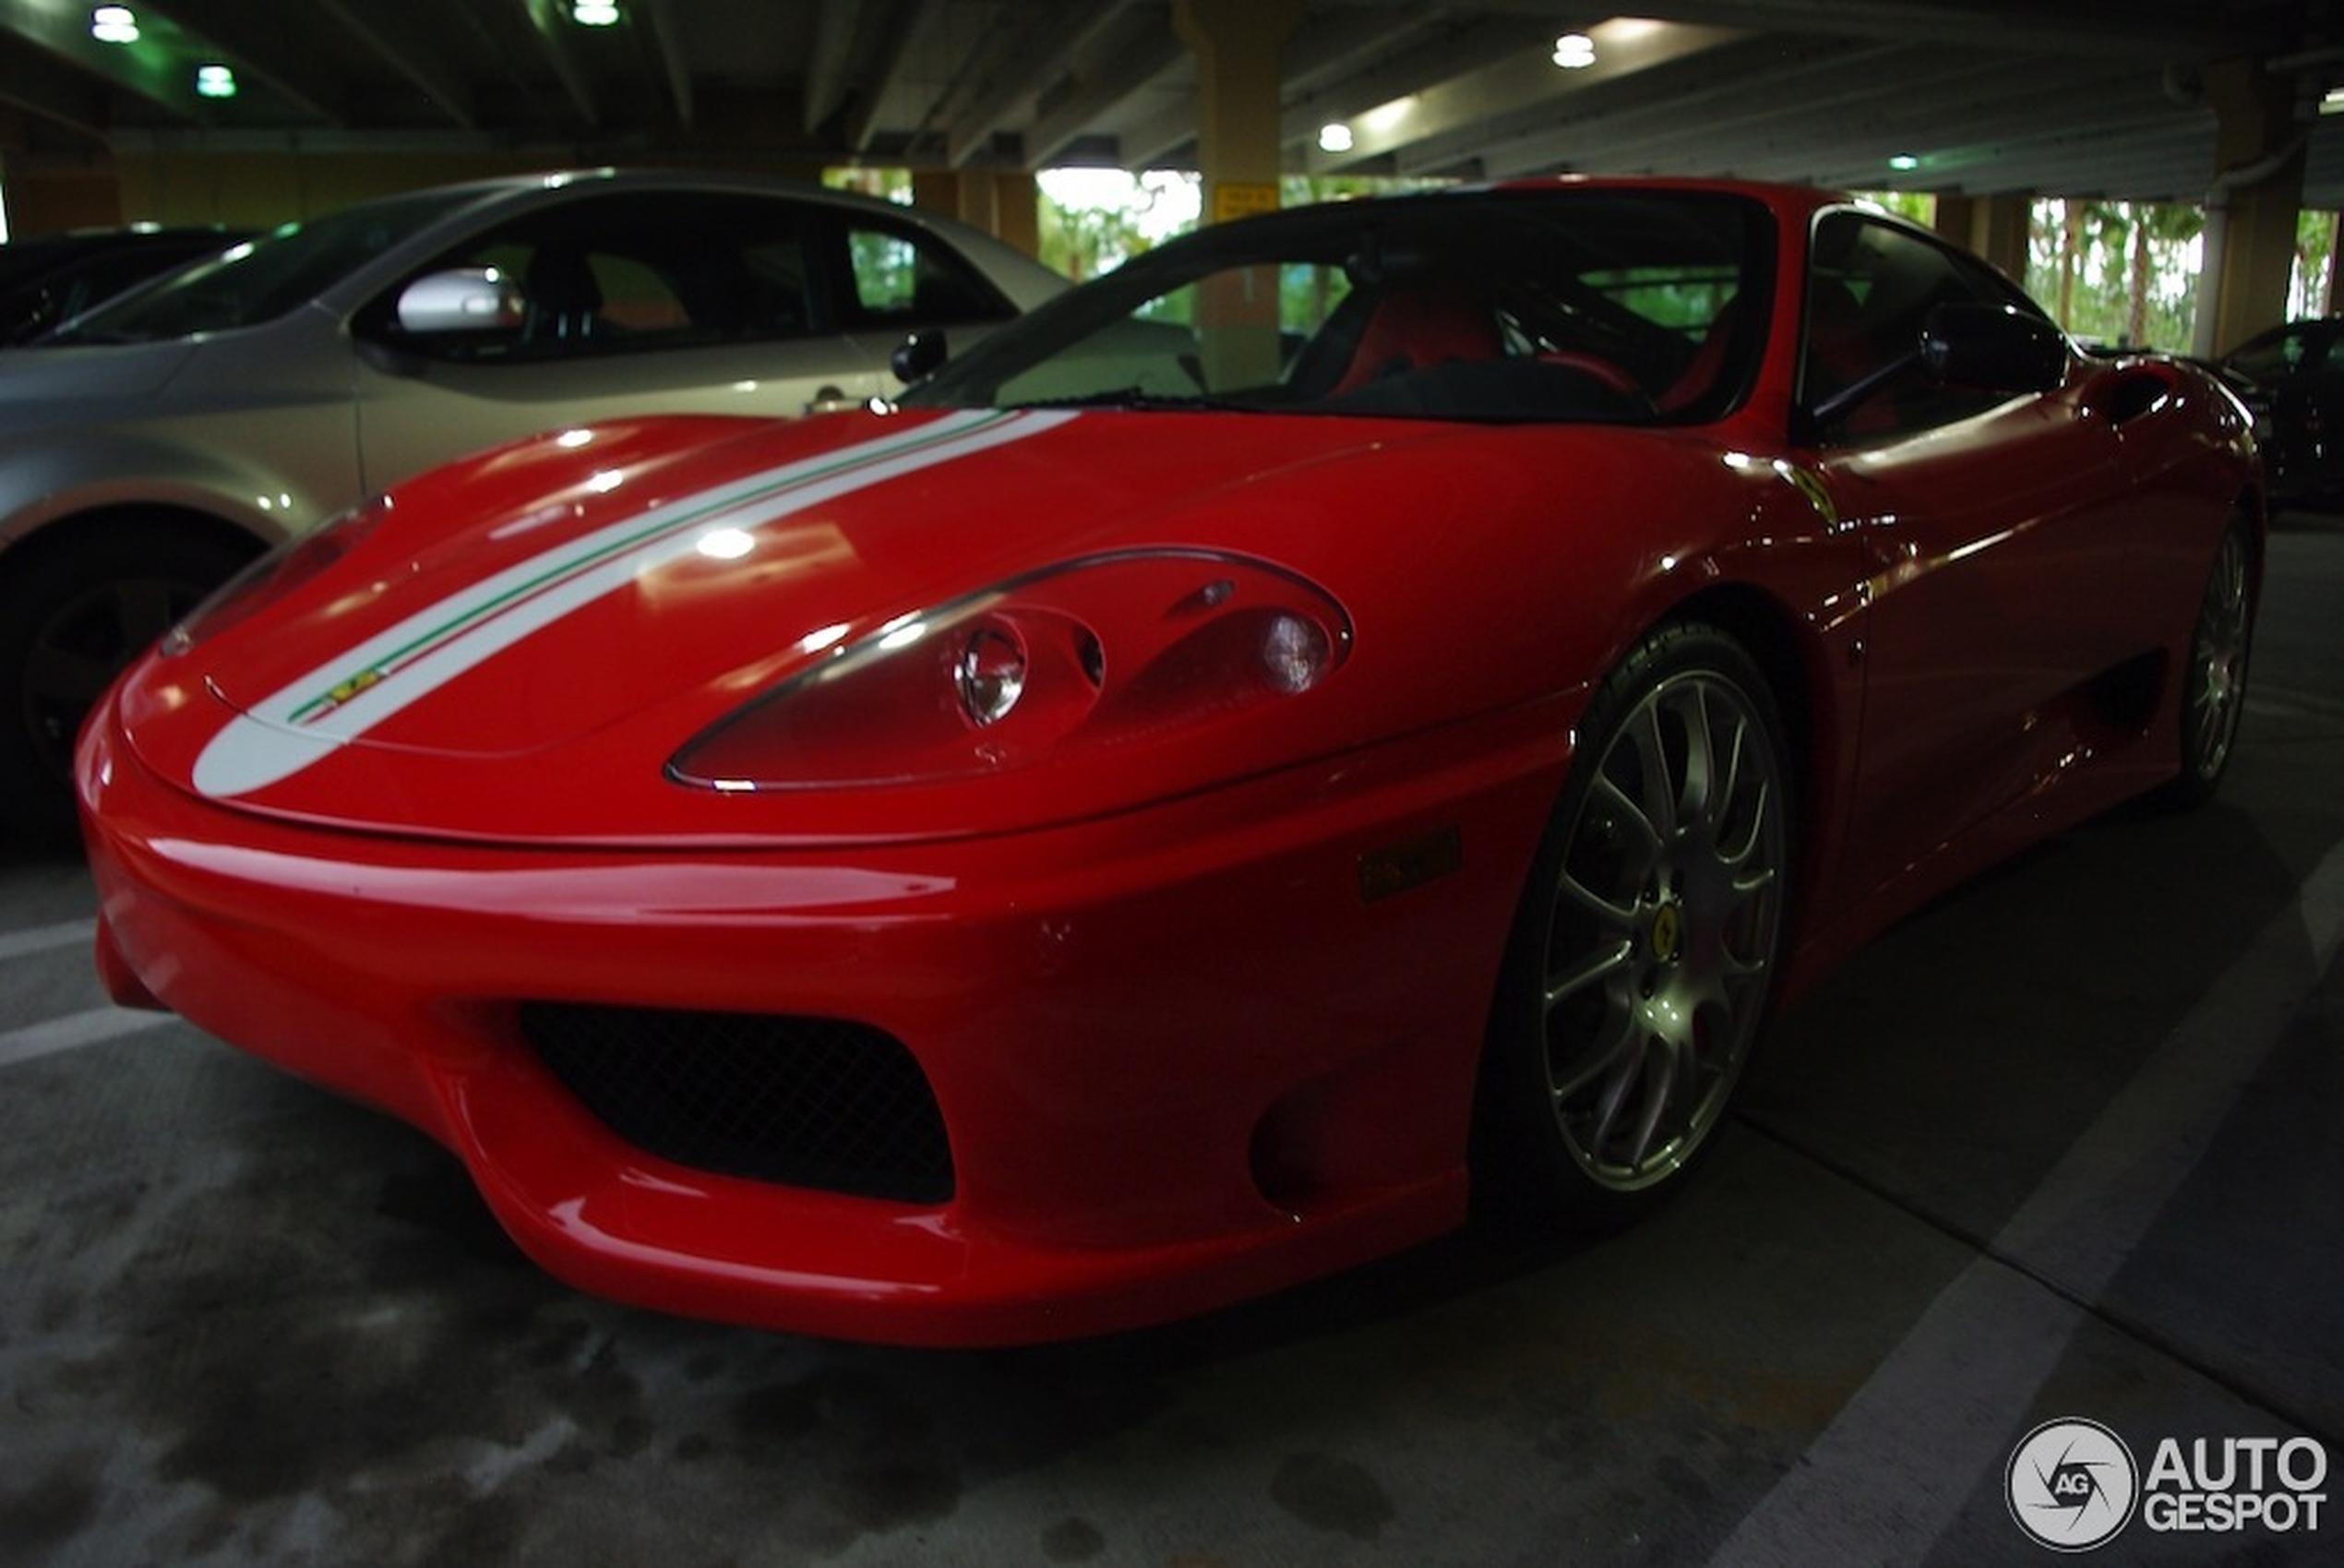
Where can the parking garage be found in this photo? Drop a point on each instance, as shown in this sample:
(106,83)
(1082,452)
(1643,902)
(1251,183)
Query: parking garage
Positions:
(2052,1159)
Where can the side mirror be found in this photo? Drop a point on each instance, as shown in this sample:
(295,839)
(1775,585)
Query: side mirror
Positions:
(1993,348)
(918,355)
(474,299)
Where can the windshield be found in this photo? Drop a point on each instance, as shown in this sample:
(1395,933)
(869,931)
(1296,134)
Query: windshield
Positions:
(263,280)
(1489,305)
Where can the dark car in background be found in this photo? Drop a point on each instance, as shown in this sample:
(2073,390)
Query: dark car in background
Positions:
(51,278)
(2291,377)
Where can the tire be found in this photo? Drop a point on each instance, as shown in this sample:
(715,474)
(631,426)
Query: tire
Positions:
(2213,683)
(71,619)
(1643,961)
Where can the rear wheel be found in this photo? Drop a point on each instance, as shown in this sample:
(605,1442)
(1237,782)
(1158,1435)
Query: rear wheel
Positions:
(1643,959)
(71,620)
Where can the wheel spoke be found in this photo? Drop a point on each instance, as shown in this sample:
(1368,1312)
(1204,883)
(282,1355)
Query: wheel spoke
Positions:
(1593,967)
(1619,1072)
(67,677)
(1658,1084)
(1600,1058)
(1631,812)
(1658,808)
(1578,895)
(143,611)
(1734,857)
(1697,794)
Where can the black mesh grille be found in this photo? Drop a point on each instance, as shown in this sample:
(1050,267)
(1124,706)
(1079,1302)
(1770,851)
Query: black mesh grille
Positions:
(809,1102)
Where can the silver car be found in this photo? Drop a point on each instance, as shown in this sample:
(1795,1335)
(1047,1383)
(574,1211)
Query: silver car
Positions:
(151,447)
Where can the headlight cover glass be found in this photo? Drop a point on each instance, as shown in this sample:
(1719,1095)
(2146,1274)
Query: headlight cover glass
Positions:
(1111,651)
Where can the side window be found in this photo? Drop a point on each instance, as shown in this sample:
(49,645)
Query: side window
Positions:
(633,274)
(1870,288)
(902,277)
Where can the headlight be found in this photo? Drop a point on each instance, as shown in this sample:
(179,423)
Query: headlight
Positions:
(1112,651)
(990,674)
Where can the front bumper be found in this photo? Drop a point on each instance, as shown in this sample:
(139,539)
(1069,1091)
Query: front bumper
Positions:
(1182,1057)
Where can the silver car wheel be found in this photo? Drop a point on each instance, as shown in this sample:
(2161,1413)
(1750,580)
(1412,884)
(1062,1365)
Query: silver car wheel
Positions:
(79,650)
(70,619)
(1665,928)
(2215,693)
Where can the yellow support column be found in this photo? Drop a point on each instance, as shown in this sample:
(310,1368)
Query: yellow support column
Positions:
(1004,203)
(1017,210)
(2251,210)
(1236,43)
(48,195)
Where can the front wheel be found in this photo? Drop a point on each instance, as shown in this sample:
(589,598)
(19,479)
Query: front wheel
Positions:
(1643,959)
(2213,687)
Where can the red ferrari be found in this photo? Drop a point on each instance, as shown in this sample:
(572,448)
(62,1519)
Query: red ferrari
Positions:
(1362,704)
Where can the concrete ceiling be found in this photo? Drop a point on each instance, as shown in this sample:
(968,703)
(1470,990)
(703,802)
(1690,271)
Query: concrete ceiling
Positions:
(2053,97)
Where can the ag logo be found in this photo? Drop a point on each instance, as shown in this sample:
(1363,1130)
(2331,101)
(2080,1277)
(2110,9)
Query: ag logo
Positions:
(2072,1484)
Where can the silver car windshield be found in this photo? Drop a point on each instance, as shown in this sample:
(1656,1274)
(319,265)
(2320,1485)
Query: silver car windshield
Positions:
(261,280)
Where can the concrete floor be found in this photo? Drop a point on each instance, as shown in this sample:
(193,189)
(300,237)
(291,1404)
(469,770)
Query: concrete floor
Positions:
(2066,1145)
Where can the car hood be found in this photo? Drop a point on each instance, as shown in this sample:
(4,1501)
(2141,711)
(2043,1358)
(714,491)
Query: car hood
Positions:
(523,641)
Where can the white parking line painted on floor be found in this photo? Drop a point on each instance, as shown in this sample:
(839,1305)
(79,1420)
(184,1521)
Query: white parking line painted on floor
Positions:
(45,938)
(74,1030)
(1889,1477)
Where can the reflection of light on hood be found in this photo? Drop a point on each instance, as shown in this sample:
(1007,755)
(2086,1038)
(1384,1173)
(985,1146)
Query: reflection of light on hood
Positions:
(826,638)
(558,511)
(724,544)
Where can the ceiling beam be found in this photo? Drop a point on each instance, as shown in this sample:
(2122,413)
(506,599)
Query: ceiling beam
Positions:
(827,63)
(419,62)
(671,66)
(2092,29)
(62,99)
(1023,62)
(1522,80)
(911,20)
(150,73)
(549,27)
(1123,65)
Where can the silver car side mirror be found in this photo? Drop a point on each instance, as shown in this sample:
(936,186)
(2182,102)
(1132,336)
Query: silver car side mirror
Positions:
(470,299)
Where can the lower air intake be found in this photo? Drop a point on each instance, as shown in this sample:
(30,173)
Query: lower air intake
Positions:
(805,1102)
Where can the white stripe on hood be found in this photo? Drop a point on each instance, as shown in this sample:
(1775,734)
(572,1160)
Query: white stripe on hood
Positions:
(346,696)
